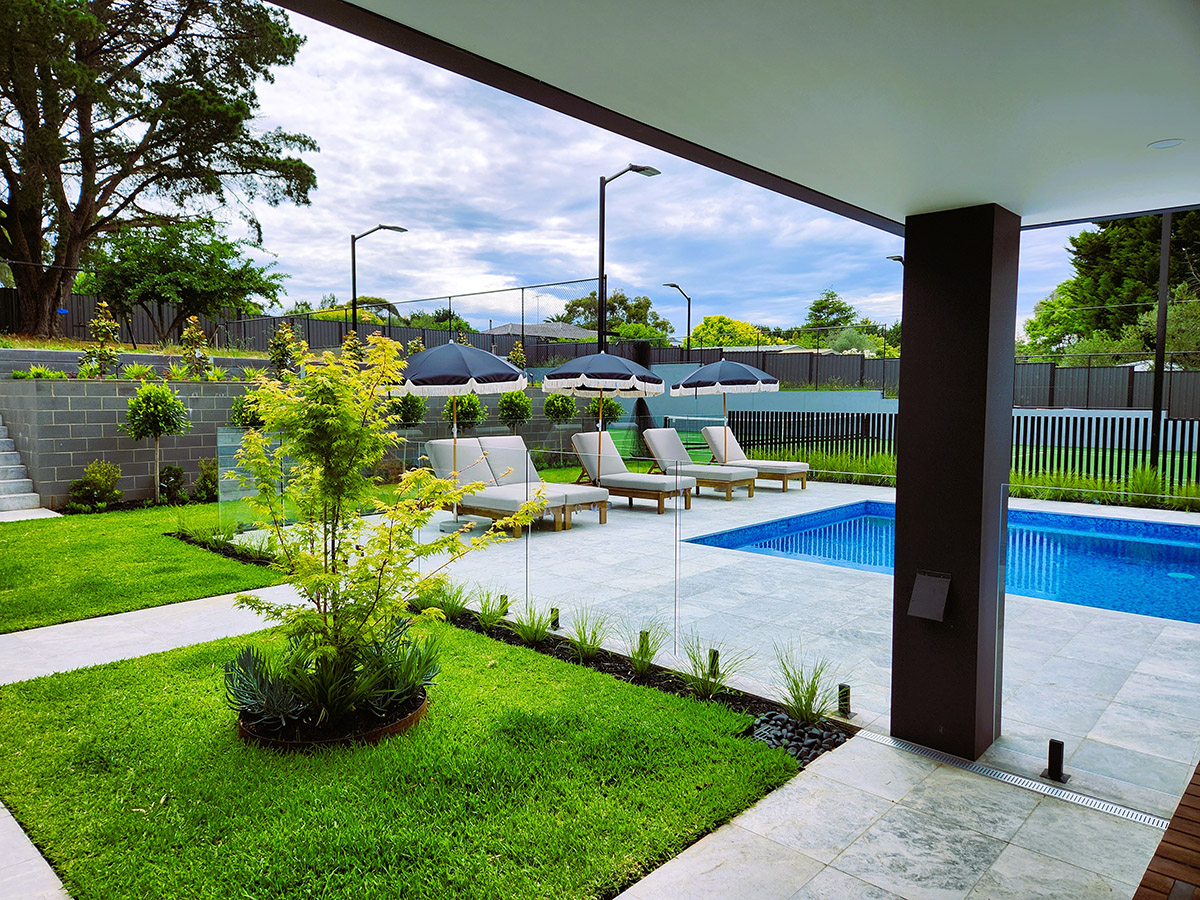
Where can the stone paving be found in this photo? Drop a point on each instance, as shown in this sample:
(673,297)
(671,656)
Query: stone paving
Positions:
(865,821)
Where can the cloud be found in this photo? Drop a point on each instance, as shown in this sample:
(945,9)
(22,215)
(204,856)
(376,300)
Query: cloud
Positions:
(497,192)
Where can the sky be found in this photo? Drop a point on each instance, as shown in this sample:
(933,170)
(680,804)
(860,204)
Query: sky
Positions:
(498,192)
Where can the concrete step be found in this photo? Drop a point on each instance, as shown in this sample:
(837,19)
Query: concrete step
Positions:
(20,501)
(7,472)
(7,445)
(16,486)
(3,431)
(10,458)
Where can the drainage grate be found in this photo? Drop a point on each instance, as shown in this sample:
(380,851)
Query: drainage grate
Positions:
(1029,784)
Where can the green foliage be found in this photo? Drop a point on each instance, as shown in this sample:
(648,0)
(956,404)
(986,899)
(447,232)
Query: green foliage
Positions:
(438,320)
(530,625)
(560,408)
(470,410)
(138,372)
(242,412)
(155,410)
(451,598)
(103,357)
(851,340)
(196,358)
(36,371)
(178,271)
(221,539)
(515,409)
(829,311)
(722,331)
(206,488)
(176,372)
(587,633)
(328,431)
(636,331)
(171,485)
(645,643)
(416,345)
(283,351)
(516,356)
(620,309)
(97,489)
(708,677)
(493,607)
(809,694)
(1144,487)
(260,692)
(611,408)
(169,114)
(408,410)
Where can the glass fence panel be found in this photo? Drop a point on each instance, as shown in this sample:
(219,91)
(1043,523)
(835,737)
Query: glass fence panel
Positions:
(1101,614)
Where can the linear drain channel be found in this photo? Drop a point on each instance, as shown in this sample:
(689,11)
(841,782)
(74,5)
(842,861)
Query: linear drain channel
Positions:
(1038,787)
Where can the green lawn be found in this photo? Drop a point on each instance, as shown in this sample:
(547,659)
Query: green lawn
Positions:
(530,777)
(77,567)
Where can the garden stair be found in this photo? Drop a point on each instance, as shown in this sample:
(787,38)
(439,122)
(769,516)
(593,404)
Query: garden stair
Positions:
(16,490)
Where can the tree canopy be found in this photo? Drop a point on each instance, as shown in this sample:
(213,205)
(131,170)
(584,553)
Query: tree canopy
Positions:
(830,311)
(722,331)
(179,270)
(118,113)
(621,310)
(1115,281)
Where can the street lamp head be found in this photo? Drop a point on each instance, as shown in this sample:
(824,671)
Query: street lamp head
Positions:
(392,228)
(648,171)
(672,284)
(899,259)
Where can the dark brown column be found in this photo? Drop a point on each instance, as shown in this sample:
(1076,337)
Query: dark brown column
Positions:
(953,437)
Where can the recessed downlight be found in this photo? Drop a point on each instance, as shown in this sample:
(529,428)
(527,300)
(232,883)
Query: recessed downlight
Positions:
(1165,144)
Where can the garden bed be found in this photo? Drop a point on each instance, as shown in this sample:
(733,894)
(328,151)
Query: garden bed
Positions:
(528,778)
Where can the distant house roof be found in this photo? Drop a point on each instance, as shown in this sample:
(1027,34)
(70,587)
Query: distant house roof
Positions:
(546,330)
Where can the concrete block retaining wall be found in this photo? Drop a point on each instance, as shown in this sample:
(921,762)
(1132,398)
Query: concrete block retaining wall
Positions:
(68,361)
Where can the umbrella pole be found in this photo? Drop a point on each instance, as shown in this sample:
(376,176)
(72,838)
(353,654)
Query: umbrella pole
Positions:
(600,418)
(454,446)
(725,430)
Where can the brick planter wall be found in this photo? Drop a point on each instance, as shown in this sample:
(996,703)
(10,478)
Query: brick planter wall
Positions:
(61,426)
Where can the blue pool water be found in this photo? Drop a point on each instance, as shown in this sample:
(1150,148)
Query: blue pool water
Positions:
(1149,568)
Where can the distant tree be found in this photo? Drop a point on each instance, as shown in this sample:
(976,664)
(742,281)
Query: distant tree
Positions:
(113,111)
(722,331)
(300,308)
(830,311)
(439,319)
(620,309)
(851,340)
(178,270)
(636,331)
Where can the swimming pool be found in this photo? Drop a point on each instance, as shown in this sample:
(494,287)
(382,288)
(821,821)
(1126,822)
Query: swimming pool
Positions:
(1149,568)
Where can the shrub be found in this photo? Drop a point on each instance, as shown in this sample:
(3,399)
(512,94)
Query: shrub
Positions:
(530,626)
(138,372)
(709,667)
(283,352)
(516,355)
(177,372)
(408,410)
(171,485)
(809,697)
(515,409)
(348,644)
(102,358)
(97,489)
(588,630)
(216,373)
(560,409)
(441,594)
(195,345)
(611,408)
(36,371)
(471,410)
(206,487)
(644,645)
(242,412)
(1144,487)
(156,410)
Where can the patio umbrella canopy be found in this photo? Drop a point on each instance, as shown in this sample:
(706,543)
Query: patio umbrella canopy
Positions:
(454,370)
(596,374)
(724,377)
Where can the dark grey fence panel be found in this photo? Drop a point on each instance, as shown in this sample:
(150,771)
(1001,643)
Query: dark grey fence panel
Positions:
(1184,397)
(1031,384)
(1071,387)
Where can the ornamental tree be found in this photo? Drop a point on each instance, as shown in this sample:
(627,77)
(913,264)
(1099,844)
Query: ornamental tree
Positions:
(112,111)
(156,410)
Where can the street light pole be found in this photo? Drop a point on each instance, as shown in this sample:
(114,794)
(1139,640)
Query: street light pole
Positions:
(689,315)
(602,286)
(355,238)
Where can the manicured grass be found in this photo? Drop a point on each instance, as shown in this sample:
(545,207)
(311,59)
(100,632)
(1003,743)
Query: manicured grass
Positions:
(77,567)
(530,777)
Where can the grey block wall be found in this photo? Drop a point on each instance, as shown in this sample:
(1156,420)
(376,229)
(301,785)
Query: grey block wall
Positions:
(59,427)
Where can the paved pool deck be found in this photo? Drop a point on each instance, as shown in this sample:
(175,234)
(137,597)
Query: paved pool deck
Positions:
(867,821)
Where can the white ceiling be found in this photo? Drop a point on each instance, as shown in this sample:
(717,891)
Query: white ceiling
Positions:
(1042,106)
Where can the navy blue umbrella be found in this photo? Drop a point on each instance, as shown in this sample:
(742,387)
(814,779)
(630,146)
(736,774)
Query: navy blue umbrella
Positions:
(724,377)
(598,374)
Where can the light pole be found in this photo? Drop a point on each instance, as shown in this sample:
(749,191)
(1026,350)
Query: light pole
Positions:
(602,287)
(689,317)
(354,238)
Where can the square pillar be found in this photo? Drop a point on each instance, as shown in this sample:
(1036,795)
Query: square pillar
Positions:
(953,439)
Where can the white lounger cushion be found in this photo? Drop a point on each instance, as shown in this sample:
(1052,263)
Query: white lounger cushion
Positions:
(592,444)
(511,464)
(505,498)
(716,439)
(641,481)
(472,464)
(672,457)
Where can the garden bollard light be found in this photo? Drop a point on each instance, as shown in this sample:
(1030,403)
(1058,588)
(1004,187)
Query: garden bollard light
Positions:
(1054,768)
(554,618)
(644,644)
(844,701)
(714,664)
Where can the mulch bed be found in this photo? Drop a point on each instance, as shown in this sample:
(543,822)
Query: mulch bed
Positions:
(230,551)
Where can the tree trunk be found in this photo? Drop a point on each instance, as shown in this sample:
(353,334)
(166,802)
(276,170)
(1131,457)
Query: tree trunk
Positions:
(157,476)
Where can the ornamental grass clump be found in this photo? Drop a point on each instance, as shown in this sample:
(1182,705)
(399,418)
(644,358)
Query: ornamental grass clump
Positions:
(645,643)
(350,658)
(710,666)
(530,625)
(809,693)
(587,632)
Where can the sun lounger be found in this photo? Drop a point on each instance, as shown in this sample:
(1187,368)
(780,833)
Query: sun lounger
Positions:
(771,469)
(672,458)
(510,480)
(602,465)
